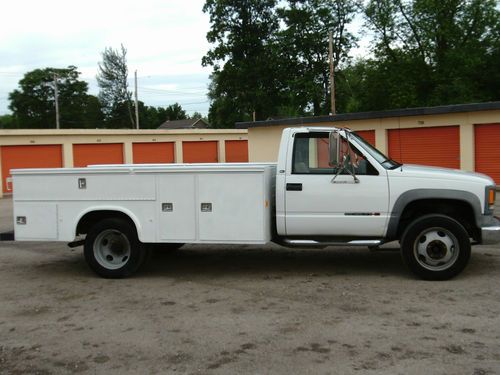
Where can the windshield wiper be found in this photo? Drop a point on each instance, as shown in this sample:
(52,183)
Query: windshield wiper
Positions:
(395,163)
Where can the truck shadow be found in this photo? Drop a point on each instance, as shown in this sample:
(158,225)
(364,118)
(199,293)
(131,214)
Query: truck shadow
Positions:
(213,261)
(202,262)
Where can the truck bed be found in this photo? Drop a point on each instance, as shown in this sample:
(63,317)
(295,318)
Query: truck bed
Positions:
(195,203)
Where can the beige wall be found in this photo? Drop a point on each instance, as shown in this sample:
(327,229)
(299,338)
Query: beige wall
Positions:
(263,142)
(67,138)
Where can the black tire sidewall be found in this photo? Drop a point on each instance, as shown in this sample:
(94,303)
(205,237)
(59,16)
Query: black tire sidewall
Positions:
(417,227)
(137,252)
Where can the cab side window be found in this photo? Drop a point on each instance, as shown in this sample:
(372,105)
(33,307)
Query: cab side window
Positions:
(311,156)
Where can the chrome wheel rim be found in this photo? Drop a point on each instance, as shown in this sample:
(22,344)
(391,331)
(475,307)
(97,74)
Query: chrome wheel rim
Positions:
(111,249)
(436,249)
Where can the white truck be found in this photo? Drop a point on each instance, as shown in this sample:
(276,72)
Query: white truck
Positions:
(329,187)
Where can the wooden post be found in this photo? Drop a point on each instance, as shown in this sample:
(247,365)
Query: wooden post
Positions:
(56,97)
(332,80)
(136,102)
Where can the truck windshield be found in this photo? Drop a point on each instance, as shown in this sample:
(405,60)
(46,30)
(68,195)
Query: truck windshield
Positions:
(386,162)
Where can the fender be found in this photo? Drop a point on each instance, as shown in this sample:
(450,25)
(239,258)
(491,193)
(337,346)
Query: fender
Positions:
(122,210)
(419,194)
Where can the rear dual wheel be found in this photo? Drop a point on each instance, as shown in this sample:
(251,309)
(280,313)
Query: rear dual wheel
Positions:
(113,250)
(435,247)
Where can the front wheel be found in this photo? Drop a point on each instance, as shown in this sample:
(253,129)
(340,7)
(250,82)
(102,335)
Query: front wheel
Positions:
(112,248)
(435,247)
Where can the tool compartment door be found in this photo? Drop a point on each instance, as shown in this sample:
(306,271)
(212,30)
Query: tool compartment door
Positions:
(231,207)
(177,207)
(38,221)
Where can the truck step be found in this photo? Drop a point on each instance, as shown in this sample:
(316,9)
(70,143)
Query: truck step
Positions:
(320,243)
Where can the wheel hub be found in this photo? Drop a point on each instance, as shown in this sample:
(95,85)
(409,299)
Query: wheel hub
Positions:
(112,249)
(116,248)
(436,249)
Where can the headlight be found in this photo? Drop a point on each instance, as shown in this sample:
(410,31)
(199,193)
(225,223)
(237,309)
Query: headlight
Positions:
(490,198)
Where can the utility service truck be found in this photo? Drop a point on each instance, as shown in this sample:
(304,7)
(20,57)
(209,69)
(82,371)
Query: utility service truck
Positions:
(329,188)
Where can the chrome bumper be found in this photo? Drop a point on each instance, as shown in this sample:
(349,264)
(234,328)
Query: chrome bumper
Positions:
(491,234)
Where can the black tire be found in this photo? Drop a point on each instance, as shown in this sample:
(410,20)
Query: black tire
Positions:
(110,238)
(435,247)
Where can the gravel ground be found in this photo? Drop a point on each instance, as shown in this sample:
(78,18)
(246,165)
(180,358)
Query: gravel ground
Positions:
(243,309)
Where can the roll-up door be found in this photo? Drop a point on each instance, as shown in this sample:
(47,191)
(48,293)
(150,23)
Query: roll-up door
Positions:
(487,150)
(237,151)
(200,152)
(28,156)
(436,146)
(101,153)
(368,135)
(154,152)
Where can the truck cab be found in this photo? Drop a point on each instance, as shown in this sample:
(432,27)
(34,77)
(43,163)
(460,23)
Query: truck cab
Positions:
(313,200)
(362,197)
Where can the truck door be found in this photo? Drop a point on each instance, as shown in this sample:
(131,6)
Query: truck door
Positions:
(317,206)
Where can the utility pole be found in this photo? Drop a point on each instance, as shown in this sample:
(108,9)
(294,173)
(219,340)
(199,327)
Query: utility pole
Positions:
(56,96)
(136,104)
(332,80)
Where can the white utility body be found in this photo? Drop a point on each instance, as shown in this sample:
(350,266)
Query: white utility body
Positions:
(329,187)
(195,203)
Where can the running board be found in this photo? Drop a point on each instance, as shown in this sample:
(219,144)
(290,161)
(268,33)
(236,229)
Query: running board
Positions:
(314,243)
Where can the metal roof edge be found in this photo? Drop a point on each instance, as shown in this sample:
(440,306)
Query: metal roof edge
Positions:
(418,111)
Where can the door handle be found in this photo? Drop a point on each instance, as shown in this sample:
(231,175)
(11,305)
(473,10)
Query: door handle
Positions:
(294,187)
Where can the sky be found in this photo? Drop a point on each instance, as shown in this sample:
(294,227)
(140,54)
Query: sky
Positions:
(165,40)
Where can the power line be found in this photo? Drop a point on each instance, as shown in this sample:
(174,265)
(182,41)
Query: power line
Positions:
(206,101)
(12,74)
(177,92)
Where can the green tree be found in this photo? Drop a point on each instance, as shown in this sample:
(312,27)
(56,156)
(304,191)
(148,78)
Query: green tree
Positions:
(92,113)
(7,122)
(432,52)
(114,95)
(33,104)
(151,117)
(196,115)
(175,112)
(303,49)
(243,57)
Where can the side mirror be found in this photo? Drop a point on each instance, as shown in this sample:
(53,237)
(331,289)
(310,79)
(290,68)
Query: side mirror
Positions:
(334,149)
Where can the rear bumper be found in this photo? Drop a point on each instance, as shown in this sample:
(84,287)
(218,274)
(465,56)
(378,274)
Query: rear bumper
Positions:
(491,234)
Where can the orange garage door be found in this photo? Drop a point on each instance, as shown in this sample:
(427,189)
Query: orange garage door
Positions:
(161,152)
(200,152)
(368,135)
(487,150)
(39,156)
(436,146)
(101,153)
(236,151)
